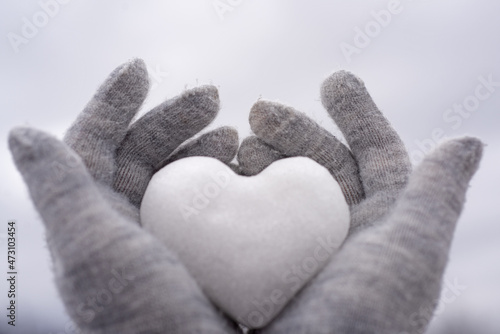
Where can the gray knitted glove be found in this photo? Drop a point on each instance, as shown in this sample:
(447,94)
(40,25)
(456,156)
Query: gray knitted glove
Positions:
(386,278)
(113,276)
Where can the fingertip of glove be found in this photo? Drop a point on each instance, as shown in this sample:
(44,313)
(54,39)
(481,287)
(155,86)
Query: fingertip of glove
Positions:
(134,69)
(28,144)
(22,139)
(469,151)
(208,91)
(338,85)
(203,98)
(225,135)
(255,155)
(458,157)
(257,111)
(221,143)
(265,115)
(128,84)
(229,133)
(134,64)
(248,147)
(251,141)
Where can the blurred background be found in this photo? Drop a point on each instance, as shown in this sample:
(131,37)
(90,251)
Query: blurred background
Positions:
(431,66)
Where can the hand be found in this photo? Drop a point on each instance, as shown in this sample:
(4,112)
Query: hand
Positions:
(386,277)
(113,276)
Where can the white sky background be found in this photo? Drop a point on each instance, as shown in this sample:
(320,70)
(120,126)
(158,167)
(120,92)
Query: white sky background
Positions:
(428,58)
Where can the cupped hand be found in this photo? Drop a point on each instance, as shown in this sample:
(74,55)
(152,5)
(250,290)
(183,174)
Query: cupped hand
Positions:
(113,276)
(386,278)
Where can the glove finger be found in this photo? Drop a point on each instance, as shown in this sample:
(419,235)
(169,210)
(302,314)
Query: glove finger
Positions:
(294,134)
(387,279)
(221,144)
(102,125)
(383,161)
(255,155)
(113,276)
(152,138)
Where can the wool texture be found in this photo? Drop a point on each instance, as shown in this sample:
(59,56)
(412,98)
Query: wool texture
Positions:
(115,277)
(387,276)
(112,275)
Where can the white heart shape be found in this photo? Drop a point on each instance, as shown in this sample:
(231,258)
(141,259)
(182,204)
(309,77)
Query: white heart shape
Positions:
(250,242)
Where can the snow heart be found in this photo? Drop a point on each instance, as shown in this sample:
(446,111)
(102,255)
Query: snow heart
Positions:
(250,242)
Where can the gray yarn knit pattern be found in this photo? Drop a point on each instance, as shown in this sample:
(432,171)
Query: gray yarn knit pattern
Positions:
(113,276)
(387,276)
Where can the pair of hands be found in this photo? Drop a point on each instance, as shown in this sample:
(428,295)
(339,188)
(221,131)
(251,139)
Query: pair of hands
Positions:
(115,277)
